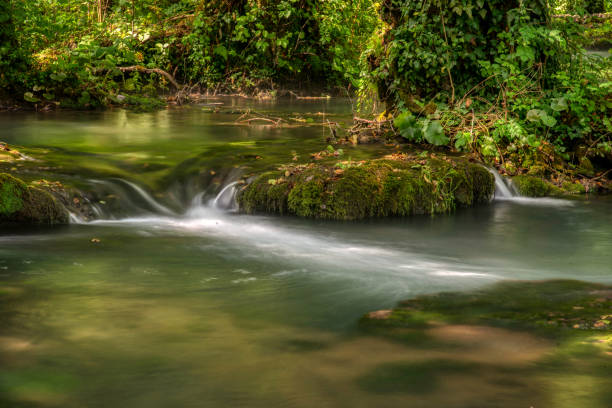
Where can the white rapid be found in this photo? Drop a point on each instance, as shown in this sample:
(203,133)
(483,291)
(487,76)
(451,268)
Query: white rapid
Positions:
(294,247)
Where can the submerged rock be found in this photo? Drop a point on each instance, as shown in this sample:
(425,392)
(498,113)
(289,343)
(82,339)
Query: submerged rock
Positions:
(393,186)
(24,204)
(555,307)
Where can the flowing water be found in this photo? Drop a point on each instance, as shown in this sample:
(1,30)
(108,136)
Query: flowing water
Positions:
(171,298)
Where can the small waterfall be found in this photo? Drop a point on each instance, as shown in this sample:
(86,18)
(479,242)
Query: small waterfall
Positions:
(150,201)
(226,199)
(131,200)
(504,189)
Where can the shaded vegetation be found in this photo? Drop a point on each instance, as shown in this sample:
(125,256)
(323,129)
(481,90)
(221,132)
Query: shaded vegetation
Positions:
(502,79)
(87,54)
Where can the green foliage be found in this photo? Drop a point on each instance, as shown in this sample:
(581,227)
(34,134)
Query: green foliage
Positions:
(581,6)
(13,57)
(251,42)
(76,46)
(505,77)
(444,46)
(419,130)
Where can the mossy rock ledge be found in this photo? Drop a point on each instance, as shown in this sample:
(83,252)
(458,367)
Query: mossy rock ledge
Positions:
(24,204)
(397,185)
(533,186)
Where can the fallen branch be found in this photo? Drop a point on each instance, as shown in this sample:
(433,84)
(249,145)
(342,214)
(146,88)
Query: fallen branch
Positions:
(140,68)
(262,119)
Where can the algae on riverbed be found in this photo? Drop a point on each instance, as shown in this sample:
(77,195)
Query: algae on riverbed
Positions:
(561,328)
(398,185)
(557,308)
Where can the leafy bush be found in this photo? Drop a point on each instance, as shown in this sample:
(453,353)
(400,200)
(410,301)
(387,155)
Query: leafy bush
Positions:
(76,46)
(13,58)
(501,77)
(288,40)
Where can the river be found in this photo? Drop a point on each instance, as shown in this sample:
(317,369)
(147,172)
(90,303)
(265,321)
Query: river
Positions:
(170,298)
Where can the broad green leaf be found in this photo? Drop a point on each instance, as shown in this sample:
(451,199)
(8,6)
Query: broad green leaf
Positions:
(408,127)
(434,133)
(559,104)
(29,96)
(221,51)
(534,115)
(526,54)
(548,120)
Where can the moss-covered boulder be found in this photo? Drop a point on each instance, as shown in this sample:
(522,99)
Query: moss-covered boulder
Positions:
(533,186)
(24,204)
(398,186)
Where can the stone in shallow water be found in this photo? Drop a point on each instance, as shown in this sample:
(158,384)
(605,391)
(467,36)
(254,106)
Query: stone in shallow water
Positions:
(397,186)
(24,204)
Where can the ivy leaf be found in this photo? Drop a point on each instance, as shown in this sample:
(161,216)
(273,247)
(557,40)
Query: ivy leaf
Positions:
(526,54)
(548,120)
(559,104)
(434,133)
(221,51)
(462,141)
(59,76)
(408,127)
(540,116)
(29,96)
(534,115)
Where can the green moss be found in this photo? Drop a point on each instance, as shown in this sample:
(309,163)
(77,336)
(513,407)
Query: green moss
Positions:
(586,167)
(306,198)
(531,186)
(573,188)
(11,192)
(357,194)
(267,193)
(20,203)
(367,189)
(404,193)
